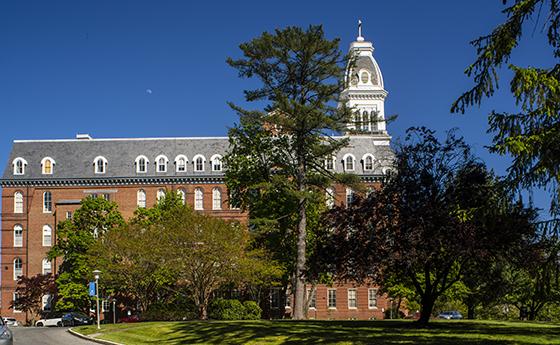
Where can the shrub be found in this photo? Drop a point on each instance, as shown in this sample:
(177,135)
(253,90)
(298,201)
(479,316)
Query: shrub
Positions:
(168,312)
(232,309)
(252,310)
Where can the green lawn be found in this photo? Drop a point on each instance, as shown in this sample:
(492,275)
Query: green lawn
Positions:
(328,332)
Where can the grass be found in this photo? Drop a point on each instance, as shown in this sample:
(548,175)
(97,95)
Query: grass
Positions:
(327,332)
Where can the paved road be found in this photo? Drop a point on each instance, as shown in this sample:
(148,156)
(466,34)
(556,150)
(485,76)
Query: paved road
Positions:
(46,336)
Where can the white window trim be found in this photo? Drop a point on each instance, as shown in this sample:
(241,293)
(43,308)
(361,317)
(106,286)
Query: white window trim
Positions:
(330,195)
(43,161)
(349,192)
(369,306)
(23,166)
(195,158)
(157,163)
(95,165)
(44,208)
(372,161)
(21,239)
(201,206)
(219,158)
(328,301)
(15,202)
(333,163)
(177,163)
(16,311)
(14,268)
(45,227)
(182,193)
(138,193)
(137,163)
(160,195)
(43,265)
(356,298)
(214,199)
(353,162)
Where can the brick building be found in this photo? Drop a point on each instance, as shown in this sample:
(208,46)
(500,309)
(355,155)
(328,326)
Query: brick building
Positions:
(44,181)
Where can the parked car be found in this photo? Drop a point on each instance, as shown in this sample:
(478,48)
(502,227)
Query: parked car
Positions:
(450,315)
(6,336)
(10,321)
(53,320)
(76,318)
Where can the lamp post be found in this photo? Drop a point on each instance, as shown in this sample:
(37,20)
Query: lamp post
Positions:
(96,274)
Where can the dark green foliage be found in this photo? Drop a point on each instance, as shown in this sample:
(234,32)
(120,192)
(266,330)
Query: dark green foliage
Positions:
(170,312)
(531,136)
(232,309)
(252,310)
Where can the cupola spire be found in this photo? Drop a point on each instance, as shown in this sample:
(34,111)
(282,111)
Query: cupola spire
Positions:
(360,38)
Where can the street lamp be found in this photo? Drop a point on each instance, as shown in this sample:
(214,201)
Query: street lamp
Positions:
(96,274)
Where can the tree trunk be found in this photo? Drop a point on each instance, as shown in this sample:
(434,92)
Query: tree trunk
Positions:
(470,311)
(203,312)
(426,308)
(299,296)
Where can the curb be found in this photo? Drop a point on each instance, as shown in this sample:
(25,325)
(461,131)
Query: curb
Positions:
(99,341)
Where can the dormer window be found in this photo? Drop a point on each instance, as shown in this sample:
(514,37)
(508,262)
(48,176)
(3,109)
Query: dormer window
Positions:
(199,162)
(348,161)
(100,165)
(19,165)
(329,163)
(368,162)
(47,165)
(141,164)
(161,163)
(181,163)
(216,162)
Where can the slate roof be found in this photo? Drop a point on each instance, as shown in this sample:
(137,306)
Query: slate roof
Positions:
(74,158)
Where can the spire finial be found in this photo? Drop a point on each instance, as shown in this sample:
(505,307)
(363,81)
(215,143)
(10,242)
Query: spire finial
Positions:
(360,38)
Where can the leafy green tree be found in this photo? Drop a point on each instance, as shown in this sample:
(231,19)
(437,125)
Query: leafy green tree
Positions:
(75,237)
(532,135)
(281,148)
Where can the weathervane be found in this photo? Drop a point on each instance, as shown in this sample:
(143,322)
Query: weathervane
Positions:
(360,38)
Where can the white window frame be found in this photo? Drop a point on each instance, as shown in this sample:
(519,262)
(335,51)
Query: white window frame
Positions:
(47,202)
(345,162)
(312,298)
(18,202)
(216,198)
(198,198)
(216,158)
(47,235)
(353,291)
(17,272)
(18,238)
(141,198)
(43,165)
(330,198)
(137,163)
(182,194)
(160,194)
(46,265)
(366,121)
(16,168)
(96,165)
(185,160)
(196,160)
(332,162)
(349,197)
(158,165)
(329,298)
(372,297)
(14,298)
(364,160)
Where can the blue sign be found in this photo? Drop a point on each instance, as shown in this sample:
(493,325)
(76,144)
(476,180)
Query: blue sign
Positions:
(92,288)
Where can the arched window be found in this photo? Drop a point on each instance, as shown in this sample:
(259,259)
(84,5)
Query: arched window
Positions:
(216,162)
(160,194)
(374,121)
(198,199)
(216,199)
(181,163)
(348,161)
(368,162)
(100,165)
(365,121)
(47,165)
(18,202)
(349,197)
(182,194)
(19,165)
(47,236)
(161,163)
(141,198)
(329,197)
(18,235)
(18,268)
(47,202)
(199,161)
(141,164)
(47,266)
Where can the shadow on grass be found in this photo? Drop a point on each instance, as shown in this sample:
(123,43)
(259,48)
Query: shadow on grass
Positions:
(356,332)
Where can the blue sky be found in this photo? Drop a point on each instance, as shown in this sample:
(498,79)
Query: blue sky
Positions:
(157,68)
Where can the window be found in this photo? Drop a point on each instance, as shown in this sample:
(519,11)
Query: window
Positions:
(198,199)
(181,163)
(100,165)
(368,162)
(46,302)
(216,199)
(106,196)
(366,122)
(18,202)
(47,165)
(141,198)
(275,298)
(141,164)
(331,298)
(47,236)
(18,268)
(199,163)
(47,266)
(216,162)
(182,194)
(18,235)
(329,163)
(160,194)
(161,162)
(68,214)
(349,162)
(352,299)
(372,298)
(329,197)
(19,165)
(312,298)
(349,197)
(47,202)
(15,303)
